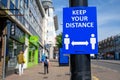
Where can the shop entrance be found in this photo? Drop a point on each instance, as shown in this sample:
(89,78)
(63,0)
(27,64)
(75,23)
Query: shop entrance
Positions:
(13,48)
(110,55)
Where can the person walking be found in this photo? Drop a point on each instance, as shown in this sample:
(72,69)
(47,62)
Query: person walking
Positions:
(21,61)
(46,65)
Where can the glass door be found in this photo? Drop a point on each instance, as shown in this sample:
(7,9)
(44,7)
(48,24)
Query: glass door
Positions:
(12,55)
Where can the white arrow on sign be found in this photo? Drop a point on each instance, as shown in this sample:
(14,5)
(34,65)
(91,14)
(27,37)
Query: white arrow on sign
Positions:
(79,43)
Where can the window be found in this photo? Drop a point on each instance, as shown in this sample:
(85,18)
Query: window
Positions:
(26,2)
(31,54)
(12,7)
(4,2)
(16,3)
(21,3)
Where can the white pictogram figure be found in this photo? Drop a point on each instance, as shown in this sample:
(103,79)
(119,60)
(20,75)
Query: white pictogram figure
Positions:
(93,41)
(66,41)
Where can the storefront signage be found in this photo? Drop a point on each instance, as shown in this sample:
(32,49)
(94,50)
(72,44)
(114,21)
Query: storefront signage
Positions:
(12,29)
(17,33)
(34,40)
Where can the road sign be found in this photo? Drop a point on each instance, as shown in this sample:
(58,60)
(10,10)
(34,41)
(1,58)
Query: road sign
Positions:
(80,30)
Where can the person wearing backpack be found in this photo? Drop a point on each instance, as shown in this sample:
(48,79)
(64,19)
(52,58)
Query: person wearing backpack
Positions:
(46,65)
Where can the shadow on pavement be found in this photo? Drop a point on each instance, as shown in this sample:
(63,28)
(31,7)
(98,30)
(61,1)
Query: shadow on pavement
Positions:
(41,73)
(45,77)
(55,66)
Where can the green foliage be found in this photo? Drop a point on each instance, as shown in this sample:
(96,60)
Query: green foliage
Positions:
(59,40)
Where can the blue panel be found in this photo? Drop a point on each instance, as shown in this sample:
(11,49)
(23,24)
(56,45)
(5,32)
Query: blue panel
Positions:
(80,30)
(62,58)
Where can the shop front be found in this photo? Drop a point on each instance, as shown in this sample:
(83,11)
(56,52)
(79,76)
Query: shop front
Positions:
(33,53)
(15,43)
(117,55)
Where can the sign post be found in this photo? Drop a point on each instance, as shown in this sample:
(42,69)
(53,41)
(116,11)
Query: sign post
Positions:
(79,38)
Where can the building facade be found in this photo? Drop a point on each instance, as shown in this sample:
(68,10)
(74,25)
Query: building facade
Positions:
(110,48)
(21,28)
(51,27)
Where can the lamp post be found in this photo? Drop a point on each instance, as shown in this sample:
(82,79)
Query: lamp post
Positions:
(80,64)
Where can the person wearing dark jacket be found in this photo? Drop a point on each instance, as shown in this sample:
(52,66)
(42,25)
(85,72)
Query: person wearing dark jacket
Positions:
(46,65)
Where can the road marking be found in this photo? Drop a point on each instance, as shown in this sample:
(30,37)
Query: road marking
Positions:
(102,67)
(95,78)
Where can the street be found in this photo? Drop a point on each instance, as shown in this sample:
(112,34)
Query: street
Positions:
(100,70)
(111,66)
(106,70)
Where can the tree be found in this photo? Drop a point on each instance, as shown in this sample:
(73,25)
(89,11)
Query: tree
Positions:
(59,40)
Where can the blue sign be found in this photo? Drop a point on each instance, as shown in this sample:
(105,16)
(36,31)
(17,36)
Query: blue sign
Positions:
(63,59)
(80,30)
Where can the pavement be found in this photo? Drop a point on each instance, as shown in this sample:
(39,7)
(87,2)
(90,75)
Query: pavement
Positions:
(37,73)
(56,72)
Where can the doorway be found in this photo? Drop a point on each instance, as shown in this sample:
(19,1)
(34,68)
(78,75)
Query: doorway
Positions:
(13,48)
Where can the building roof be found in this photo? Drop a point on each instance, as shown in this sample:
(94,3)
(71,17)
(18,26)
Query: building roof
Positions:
(47,3)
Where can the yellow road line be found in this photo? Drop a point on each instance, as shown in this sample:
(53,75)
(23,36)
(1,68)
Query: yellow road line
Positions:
(95,78)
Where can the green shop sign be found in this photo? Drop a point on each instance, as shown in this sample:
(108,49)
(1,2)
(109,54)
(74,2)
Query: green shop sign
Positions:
(34,40)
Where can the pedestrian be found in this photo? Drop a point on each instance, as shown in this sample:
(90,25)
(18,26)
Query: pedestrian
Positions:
(21,61)
(46,65)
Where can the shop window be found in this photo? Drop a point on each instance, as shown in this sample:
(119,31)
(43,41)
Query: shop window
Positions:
(4,2)
(21,3)
(14,48)
(26,2)
(12,7)
(31,56)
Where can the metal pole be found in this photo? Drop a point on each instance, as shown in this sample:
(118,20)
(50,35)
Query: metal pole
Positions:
(3,69)
(80,64)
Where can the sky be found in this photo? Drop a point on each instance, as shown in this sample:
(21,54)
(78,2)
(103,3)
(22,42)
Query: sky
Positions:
(108,16)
